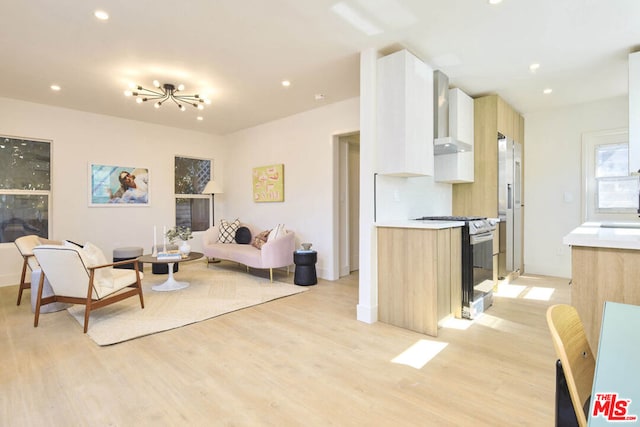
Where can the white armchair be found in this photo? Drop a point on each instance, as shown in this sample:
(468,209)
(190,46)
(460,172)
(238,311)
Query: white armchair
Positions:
(82,276)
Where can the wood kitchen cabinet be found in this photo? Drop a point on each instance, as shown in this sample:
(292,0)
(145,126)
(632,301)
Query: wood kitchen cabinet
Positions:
(602,274)
(404,137)
(419,277)
(491,115)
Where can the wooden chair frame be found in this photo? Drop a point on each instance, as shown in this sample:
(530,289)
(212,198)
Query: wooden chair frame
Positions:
(23,283)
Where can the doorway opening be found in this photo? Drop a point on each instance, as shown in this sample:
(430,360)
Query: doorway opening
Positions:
(347,202)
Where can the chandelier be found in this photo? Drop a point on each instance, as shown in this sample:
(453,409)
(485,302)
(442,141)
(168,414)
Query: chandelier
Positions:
(165,92)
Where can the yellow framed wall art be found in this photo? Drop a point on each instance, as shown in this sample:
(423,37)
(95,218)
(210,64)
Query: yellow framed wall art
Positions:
(268,183)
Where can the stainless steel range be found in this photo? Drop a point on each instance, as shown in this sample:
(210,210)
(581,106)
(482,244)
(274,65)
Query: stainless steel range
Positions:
(477,262)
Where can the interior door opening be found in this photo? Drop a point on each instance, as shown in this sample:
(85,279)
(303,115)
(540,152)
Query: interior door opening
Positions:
(348,203)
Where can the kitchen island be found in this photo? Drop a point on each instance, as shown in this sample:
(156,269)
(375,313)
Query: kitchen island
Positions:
(419,277)
(605,266)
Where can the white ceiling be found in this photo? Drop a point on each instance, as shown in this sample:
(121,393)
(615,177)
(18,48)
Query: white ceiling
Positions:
(238,51)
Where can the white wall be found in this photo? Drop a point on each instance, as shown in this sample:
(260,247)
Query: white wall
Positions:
(406,198)
(304,144)
(79,138)
(553,168)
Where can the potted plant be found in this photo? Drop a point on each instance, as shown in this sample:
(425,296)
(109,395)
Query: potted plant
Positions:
(182,233)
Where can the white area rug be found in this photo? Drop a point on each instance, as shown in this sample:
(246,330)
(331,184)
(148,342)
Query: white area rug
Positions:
(212,292)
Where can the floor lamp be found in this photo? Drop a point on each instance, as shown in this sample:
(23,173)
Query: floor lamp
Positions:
(212,188)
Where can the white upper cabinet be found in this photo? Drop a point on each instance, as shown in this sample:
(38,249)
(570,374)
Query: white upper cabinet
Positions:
(457,167)
(634,113)
(404,116)
(461,116)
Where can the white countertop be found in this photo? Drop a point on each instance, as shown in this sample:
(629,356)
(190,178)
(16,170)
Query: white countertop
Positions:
(411,223)
(603,235)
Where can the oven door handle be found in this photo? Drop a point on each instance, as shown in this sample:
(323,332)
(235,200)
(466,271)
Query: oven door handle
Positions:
(480,238)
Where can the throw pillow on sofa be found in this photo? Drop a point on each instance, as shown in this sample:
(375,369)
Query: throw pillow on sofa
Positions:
(260,239)
(243,236)
(278,231)
(227,231)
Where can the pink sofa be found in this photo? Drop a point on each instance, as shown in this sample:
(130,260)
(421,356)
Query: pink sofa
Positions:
(274,254)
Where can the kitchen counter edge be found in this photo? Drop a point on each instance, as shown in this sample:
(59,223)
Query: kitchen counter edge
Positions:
(428,225)
(594,235)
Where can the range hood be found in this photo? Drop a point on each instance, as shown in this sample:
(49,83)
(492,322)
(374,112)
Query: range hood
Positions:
(443,143)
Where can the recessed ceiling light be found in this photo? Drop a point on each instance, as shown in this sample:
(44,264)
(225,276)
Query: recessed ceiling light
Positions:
(101,15)
(319,96)
(286,83)
(547,91)
(200,118)
(495,1)
(55,87)
(534,67)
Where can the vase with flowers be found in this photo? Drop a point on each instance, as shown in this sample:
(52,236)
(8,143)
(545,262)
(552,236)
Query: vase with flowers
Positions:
(184,234)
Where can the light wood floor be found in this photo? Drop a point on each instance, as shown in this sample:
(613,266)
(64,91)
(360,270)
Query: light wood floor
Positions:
(301,360)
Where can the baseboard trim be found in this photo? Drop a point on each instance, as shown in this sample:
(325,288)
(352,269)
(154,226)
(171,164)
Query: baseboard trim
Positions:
(9,279)
(367,314)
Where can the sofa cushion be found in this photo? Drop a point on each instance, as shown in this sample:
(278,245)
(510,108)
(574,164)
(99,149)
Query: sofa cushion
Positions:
(260,239)
(227,231)
(243,236)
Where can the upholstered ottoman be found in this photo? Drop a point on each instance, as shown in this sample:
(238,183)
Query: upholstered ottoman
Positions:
(130,252)
(46,292)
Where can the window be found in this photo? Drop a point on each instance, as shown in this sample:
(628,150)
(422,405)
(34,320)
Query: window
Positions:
(192,207)
(611,194)
(25,186)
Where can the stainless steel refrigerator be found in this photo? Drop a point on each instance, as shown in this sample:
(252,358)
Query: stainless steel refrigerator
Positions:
(509,205)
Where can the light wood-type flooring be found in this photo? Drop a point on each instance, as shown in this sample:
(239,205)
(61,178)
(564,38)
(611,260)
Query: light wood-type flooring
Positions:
(299,361)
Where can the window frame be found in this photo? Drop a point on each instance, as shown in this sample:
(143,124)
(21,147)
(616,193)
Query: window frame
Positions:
(590,208)
(177,196)
(47,193)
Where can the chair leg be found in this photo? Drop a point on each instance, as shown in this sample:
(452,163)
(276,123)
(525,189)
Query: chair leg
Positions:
(87,304)
(87,311)
(271,274)
(23,285)
(139,284)
(39,301)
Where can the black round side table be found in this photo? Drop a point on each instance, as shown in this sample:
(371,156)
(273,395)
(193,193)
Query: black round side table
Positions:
(305,262)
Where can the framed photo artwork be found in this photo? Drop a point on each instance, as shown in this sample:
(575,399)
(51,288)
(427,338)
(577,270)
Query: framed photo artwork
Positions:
(118,185)
(268,183)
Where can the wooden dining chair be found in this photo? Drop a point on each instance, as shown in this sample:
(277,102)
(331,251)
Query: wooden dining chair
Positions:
(572,348)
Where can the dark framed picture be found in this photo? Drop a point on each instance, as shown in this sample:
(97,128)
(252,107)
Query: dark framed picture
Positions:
(118,185)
